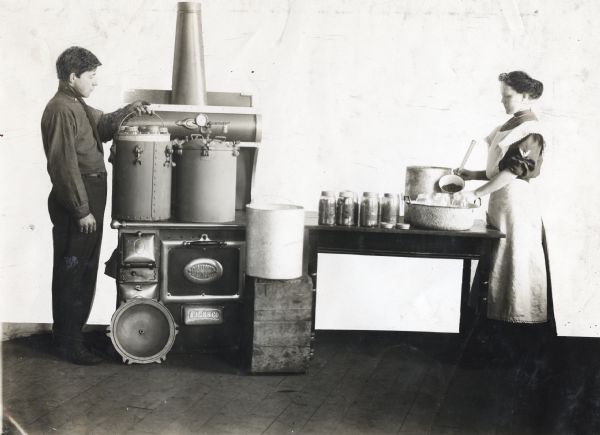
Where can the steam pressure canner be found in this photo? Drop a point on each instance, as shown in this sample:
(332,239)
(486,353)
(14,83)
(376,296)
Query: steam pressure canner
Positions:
(181,180)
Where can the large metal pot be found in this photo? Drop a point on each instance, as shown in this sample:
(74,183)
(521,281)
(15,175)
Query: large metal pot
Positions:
(142,174)
(205,181)
(421,179)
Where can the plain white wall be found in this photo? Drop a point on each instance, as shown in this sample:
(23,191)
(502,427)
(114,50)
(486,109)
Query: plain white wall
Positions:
(351,92)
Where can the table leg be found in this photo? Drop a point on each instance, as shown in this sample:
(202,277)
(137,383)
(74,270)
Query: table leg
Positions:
(465,314)
(312,257)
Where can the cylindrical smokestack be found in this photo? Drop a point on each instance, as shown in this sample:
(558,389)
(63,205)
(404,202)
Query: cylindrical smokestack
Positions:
(189,83)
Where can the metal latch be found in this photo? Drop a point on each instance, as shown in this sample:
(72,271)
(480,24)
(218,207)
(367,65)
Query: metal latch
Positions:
(137,152)
(169,157)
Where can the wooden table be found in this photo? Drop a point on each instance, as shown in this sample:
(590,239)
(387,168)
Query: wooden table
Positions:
(414,242)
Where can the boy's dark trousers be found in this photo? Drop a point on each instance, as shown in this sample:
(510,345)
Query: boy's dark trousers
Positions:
(76,257)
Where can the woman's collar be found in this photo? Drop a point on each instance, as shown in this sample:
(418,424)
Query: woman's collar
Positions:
(522,113)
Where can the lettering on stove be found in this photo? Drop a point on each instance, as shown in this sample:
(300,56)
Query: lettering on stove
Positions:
(203,270)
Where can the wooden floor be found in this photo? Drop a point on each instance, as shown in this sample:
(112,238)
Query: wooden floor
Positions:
(359,383)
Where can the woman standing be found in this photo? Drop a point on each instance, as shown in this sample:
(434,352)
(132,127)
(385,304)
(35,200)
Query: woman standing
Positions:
(518,285)
(519,302)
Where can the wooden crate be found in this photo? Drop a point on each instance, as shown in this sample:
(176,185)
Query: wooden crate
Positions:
(277,325)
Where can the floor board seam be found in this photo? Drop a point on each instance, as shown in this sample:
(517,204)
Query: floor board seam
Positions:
(455,366)
(420,383)
(324,399)
(48,412)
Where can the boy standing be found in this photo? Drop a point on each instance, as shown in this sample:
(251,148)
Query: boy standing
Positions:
(72,134)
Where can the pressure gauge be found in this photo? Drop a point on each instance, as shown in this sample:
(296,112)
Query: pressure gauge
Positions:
(201,120)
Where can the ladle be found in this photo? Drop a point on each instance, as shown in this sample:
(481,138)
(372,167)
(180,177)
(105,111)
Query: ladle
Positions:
(452,183)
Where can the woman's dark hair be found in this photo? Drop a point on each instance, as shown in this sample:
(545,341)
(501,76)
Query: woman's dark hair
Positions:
(75,60)
(521,82)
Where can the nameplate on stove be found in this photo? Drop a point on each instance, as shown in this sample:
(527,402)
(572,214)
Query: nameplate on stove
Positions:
(199,315)
(203,270)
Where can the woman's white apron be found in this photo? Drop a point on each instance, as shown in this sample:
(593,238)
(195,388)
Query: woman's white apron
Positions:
(517,283)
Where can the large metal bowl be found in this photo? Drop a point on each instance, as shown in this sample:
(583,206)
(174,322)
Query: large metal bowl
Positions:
(440,217)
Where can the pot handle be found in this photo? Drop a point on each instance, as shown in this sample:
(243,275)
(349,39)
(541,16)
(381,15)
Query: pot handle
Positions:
(407,199)
(464,161)
(133,113)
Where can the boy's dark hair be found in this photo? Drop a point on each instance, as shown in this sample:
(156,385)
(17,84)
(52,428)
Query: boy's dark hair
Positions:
(75,60)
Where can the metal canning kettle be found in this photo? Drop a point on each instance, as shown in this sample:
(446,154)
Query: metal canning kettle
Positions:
(421,179)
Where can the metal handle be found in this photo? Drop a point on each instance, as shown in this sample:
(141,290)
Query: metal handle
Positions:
(133,113)
(204,241)
(471,146)
(192,243)
(407,199)
(145,265)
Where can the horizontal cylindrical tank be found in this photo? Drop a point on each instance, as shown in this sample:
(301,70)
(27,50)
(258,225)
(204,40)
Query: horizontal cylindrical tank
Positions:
(243,127)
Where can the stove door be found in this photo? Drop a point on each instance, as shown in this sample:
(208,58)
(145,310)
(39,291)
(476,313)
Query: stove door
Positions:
(201,270)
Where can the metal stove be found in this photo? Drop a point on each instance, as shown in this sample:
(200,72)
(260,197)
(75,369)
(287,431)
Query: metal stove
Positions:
(180,283)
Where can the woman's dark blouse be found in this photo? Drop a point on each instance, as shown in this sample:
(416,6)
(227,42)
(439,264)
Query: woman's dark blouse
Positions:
(523,158)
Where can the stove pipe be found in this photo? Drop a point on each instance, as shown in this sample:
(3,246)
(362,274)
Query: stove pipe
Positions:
(189,83)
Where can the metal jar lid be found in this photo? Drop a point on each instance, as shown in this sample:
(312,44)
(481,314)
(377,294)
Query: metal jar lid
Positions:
(129,129)
(151,129)
(327,193)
